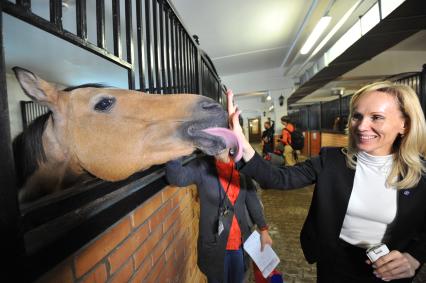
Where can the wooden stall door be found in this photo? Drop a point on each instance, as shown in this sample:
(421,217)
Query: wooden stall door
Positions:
(254,130)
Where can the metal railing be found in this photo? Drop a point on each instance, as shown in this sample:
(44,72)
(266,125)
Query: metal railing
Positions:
(324,120)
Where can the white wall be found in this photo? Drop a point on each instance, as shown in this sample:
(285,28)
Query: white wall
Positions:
(14,95)
(271,79)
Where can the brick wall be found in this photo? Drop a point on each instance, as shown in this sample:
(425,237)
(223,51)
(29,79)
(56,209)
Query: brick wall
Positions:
(154,243)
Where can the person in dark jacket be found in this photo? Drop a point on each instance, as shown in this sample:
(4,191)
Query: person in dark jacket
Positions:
(228,200)
(372,191)
(268,138)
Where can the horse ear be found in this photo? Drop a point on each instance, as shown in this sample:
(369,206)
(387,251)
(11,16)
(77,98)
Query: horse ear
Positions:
(35,87)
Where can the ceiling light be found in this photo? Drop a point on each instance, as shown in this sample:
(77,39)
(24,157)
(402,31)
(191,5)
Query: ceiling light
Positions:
(336,27)
(268,98)
(316,33)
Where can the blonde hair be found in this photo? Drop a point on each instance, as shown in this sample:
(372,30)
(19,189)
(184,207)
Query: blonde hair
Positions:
(408,149)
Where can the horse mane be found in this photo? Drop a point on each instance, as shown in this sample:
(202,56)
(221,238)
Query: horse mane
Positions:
(95,85)
(28,148)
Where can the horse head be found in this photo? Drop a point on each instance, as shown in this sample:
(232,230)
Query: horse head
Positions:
(113,133)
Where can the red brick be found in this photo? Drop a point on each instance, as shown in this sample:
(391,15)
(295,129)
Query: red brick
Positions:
(159,249)
(98,275)
(168,192)
(158,217)
(185,202)
(123,275)
(168,272)
(170,220)
(97,250)
(155,271)
(146,248)
(126,249)
(148,207)
(142,271)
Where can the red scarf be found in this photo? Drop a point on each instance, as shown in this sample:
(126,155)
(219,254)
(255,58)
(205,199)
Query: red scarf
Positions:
(232,189)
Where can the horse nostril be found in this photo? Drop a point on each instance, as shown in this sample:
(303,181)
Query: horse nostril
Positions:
(210,105)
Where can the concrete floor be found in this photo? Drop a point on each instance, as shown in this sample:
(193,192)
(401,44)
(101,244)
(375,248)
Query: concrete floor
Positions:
(285,212)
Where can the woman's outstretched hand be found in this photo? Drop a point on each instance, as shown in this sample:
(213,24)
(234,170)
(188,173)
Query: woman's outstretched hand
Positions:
(234,125)
(395,265)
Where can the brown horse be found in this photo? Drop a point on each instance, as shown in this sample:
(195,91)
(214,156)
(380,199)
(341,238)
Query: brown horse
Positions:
(109,133)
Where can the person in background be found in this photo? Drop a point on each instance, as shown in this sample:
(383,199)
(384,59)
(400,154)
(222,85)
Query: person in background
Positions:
(290,155)
(268,139)
(226,196)
(372,191)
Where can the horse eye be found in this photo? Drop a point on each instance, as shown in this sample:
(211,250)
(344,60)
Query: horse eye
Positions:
(105,104)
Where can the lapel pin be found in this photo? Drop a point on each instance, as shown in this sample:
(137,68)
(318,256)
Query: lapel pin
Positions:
(406,192)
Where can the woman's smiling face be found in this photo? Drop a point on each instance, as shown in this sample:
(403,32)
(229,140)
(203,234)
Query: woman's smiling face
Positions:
(376,122)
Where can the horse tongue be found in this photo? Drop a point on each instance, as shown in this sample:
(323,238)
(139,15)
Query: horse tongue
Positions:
(231,140)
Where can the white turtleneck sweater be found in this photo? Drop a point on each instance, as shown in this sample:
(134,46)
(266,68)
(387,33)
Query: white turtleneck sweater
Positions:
(372,205)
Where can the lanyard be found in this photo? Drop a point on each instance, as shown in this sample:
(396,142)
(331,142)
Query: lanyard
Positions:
(222,200)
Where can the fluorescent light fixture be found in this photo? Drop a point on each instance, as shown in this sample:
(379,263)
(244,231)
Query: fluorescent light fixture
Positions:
(336,27)
(389,5)
(349,38)
(370,19)
(316,33)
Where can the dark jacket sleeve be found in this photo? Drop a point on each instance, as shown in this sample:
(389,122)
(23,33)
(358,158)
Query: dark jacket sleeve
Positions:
(254,206)
(182,176)
(417,245)
(273,177)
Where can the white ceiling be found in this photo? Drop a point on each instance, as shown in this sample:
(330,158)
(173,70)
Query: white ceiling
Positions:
(243,36)
(250,35)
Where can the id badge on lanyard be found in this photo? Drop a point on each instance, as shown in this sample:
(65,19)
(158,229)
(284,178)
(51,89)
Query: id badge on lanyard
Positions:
(223,213)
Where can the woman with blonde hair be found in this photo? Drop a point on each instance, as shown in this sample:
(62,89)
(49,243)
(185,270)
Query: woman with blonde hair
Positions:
(367,219)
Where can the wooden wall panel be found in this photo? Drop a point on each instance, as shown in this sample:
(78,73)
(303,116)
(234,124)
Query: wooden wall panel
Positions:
(314,142)
(334,139)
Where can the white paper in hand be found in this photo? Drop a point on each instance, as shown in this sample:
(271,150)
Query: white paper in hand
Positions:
(267,260)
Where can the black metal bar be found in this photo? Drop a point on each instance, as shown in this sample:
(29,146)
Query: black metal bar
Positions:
(129,43)
(191,67)
(178,58)
(162,44)
(10,246)
(148,46)
(155,40)
(185,62)
(81,19)
(194,69)
(182,56)
(140,44)
(174,53)
(25,4)
(23,114)
(200,72)
(41,23)
(116,31)
(189,62)
(168,65)
(56,13)
(100,23)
